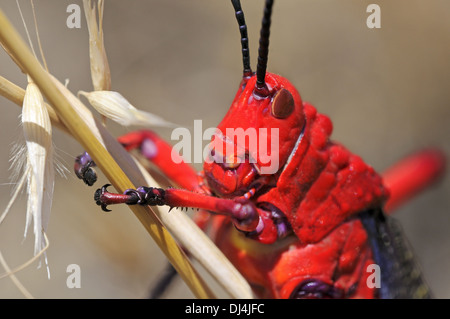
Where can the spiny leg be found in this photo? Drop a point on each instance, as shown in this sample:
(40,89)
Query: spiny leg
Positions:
(242,211)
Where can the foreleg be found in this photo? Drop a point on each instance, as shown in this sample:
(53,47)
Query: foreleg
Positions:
(257,223)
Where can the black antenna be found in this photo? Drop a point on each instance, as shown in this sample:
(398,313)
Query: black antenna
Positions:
(244,37)
(263,52)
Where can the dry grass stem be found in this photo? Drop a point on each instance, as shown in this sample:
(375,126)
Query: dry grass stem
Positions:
(82,133)
(14,279)
(119,169)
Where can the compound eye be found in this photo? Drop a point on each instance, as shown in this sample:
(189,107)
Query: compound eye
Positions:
(282,104)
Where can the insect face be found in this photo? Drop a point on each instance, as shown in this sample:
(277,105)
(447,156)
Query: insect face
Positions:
(256,137)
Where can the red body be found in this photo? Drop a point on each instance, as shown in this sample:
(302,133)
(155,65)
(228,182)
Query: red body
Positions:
(317,192)
(294,220)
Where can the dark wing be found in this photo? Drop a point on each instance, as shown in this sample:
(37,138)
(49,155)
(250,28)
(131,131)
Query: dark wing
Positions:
(401,276)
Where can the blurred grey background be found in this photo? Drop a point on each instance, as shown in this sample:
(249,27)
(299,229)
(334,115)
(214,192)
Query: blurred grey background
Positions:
(386,90)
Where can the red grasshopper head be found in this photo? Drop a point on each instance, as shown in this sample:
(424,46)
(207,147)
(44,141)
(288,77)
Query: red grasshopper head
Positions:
(256,137)
(261,128)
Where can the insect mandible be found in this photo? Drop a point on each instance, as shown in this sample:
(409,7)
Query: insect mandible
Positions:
(309,228)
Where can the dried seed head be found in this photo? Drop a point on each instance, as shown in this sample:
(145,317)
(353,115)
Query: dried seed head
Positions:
(39,162)
(100,73)
(115,107)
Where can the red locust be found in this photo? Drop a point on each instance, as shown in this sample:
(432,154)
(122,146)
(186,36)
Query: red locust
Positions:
(312,227)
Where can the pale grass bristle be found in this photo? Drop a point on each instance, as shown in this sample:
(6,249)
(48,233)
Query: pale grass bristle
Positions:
(17,161)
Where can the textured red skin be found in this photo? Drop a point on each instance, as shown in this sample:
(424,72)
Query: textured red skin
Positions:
(321,187)
(320,191)
(274,271)
(323,184)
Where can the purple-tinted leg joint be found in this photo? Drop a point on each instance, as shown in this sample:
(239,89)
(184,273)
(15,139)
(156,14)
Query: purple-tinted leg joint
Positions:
(141,196)
(83,169)
(245,214)
(151,195)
